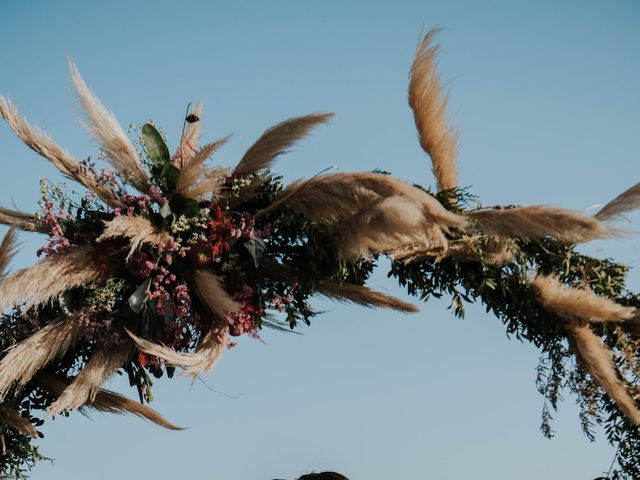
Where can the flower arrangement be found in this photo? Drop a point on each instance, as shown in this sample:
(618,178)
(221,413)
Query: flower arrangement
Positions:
(166,259)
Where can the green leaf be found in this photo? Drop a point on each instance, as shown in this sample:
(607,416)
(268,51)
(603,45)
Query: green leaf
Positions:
(138,299)
(191,208)
(165,211)
(256,248)
(156,148)
(170,174)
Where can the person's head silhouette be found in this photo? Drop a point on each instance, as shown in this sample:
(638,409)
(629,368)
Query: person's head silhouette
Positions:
(323,476)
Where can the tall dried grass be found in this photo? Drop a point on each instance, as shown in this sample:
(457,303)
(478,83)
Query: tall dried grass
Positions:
(540,221)
(86,385)
(12,418)
(139,231)
(437,138)
(275,141)
(7,251)
(105,129)
(625,202)
(189,144)
(578,303)
(362,295)
(194,176)
(43,145)
(21,220)
(49,278)
(211,292)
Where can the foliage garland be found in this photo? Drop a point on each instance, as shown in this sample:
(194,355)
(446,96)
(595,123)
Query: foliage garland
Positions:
(165,260)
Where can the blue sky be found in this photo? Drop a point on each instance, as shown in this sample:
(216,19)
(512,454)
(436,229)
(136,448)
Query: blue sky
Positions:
(546,96)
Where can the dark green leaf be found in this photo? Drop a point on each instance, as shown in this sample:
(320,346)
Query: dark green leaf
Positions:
(139,297)
(256,248)
(156,148)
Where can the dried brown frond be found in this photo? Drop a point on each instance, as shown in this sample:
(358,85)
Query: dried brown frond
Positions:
(275,141)
(23,221)
(437,138)
(7,251)
(625,202)
(189,144)
(578,303)
(596,357)
(211,292)
(207,354)
(12,418)
(105,401)
(86,385)
(540,221)
(49,278)
(492,250)
(193,171)
(23,360)
(43,145)
(105,129)
(210,185)
(139,231)
(362,295)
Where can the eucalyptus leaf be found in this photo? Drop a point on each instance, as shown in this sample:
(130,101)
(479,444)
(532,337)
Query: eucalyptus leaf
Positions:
(256,248)
(138,299)
(156,148)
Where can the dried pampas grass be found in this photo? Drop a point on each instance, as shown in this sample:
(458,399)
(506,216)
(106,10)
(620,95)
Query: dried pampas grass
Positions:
(139,231)
(7,251)
(12,418)
(538,222)
(105,129)
(105,401)
(362,295)
(193,172)
(625,202)
(597,359)
(275,141)
(206,356)
(437,138)
(190,141)
(23,360)
(43,145)
(84,387)
(49,278)
(578,303)
(210,291)
(21,220)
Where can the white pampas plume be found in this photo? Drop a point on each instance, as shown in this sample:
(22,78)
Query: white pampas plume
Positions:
(139,231)
(105,129)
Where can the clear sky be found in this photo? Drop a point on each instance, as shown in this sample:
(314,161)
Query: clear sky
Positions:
(546,96)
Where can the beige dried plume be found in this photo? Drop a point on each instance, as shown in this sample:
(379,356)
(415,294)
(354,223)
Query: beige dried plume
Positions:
(25,359)
(625,202)
(193,181)
(12,418)
(578,303)
(540,221)
(206,356)
(275,141)
(189,144)
(49,278)
(211,292)
(21,220)
(86,385)
(7,251)
(105,129)
(105,401)
(139,231)
(42,144)
(362,295)
(596,357)
(437,138)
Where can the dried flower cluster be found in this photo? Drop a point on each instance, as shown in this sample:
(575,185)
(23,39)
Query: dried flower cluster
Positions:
(166,258)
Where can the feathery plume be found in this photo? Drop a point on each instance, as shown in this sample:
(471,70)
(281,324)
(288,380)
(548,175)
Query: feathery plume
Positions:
(275,141)
(7,251)
(207,354)
(625,202)
(48,278)
(209,289)
(193,171)
(21,220)
(105,401)
(362,295)
(105,129)
(190,141)
(43,145)
(437,138)
(580,303)
(24,359)
(17,421)
(137,229)
(86,385)
(596,357)
(540,221)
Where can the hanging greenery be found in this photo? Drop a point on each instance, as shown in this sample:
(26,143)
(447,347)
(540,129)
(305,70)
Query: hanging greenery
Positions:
(164,260)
